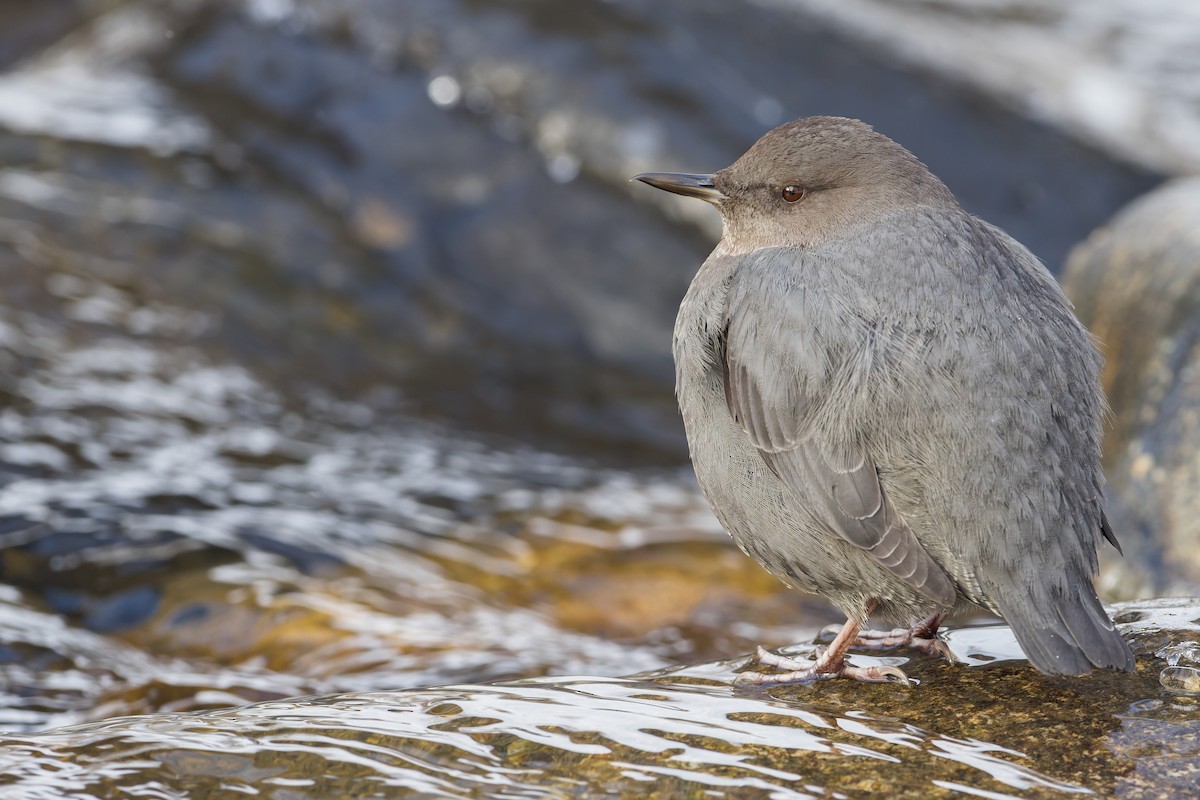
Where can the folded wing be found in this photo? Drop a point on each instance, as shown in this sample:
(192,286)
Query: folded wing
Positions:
(778,373)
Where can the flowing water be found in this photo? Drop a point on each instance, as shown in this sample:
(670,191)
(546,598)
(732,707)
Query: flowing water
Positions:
(324,381)
(987,727)
(170,523)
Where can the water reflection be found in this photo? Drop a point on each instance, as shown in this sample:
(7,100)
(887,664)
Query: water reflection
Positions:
(521,739)
(983,644)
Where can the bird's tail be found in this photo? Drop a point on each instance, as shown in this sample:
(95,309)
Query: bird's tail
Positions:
(1067,632)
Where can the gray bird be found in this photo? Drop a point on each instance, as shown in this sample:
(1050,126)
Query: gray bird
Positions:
(889,403)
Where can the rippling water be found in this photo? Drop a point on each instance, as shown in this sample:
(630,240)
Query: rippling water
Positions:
(221,481)
(672,733)
(455,740)
(176,536)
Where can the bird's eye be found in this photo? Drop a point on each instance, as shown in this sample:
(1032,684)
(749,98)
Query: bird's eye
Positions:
(792,192)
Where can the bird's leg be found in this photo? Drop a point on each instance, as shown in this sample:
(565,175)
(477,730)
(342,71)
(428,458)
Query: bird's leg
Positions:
(830,663)
(922,637)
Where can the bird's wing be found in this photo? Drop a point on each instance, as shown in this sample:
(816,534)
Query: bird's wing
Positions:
(779,370)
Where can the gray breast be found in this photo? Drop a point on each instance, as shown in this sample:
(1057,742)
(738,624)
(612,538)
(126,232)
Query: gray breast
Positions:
(747,498)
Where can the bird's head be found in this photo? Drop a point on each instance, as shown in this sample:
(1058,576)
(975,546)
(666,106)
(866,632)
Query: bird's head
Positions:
(809,181)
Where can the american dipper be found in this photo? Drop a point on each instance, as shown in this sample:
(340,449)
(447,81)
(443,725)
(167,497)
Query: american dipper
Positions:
(889,403)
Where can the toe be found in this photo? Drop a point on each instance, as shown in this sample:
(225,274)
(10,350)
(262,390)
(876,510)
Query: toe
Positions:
(769,659)
(775,679)
(878,674)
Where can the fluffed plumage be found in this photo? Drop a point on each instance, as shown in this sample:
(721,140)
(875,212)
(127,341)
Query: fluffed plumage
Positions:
(889,402)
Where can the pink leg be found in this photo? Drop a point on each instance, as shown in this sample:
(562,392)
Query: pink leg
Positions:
(922,637)
(829,664)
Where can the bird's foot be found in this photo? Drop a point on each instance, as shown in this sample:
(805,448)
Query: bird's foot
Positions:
(922,638)
(828,665)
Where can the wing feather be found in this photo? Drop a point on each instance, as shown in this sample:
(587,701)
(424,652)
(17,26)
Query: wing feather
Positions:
(778,374)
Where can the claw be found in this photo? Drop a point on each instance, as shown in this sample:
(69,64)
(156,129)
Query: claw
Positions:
(940,648)
(878,674)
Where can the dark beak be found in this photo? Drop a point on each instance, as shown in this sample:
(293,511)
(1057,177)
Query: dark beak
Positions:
(684,183)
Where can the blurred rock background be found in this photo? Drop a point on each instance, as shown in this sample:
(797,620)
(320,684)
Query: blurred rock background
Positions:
(1136,284)
(334,341)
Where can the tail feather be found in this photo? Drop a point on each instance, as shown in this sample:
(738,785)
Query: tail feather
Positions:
(1067,635)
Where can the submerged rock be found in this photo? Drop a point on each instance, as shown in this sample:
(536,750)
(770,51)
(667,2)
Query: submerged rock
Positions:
(987,727)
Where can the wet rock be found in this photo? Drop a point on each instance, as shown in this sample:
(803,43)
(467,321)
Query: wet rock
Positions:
(1117,73)
(27,26)
(1136,284)
(995,729)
